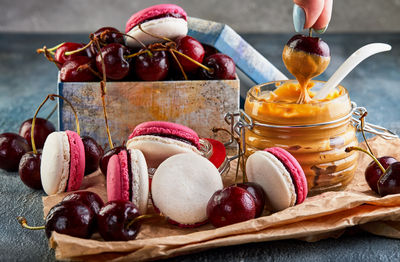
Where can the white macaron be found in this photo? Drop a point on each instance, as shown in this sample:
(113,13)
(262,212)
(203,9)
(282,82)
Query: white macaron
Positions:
(182,186)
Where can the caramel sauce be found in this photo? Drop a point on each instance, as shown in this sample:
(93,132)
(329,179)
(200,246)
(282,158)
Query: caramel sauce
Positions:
(304,66)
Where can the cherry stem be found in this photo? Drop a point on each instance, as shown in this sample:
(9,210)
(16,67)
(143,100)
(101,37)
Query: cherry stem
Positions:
(137,40)
(194,61)
(78,50)
(139,53)
(363,133)
(51,97)
(88,67)
(142,217)
(351,148)
(103,90)
(48,54)
(310,32)
(24,224)
(41,50)
(153,35)
(179,64)
(52,112)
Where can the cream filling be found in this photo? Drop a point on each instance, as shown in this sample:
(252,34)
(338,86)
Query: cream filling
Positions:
(169,27)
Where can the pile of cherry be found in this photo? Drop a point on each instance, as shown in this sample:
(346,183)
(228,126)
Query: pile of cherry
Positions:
(82,213)
(184,58)
(16,152)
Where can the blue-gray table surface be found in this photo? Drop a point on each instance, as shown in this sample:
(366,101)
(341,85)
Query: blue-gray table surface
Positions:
(26,78)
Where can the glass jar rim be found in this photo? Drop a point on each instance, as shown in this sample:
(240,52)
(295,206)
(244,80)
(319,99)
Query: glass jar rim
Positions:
(342,89)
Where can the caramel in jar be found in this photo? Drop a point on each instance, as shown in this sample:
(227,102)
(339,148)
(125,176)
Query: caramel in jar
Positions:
(315,133)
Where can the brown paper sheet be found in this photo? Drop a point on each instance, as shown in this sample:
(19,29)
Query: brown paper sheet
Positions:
(322,216)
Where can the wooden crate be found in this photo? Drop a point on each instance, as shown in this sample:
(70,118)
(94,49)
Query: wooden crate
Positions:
(201,105)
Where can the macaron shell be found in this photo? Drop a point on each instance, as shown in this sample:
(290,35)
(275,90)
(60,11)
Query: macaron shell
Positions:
(166,128)
(182,186)
(169,27)
(54,167)
(153,11)
(265,169)
(77,161)
(140,180)
(118,177)
(296,171)
(156,149)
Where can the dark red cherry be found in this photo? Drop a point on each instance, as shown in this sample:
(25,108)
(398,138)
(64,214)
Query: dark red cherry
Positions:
(309,44)
(117,67)
(106,157)
(93,154)
(114,218)
(222,67)
(90,199)
(257,193)
(389,182)
(229,206)
(12,148)
(192,48)
(373,172)
(60,56)
(209,50)
(29,169)
(43,128)
(152,67)
(78,70)
(107,35)
(71,218)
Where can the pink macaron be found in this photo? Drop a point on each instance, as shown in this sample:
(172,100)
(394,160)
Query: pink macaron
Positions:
(280,175)
(159,140)
(164,20)
(63,162)
(127,178)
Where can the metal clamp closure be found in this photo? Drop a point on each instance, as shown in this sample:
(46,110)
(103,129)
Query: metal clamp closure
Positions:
(368,127)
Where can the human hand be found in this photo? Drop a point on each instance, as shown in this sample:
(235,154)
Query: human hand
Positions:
(314,14)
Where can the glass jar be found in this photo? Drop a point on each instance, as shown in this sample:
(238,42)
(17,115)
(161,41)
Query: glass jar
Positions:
(316,134)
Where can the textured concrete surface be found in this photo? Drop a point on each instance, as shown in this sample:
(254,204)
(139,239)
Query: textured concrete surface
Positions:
(26,78)
(244,16)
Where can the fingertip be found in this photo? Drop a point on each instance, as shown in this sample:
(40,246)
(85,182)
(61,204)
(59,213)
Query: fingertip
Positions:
(321,25)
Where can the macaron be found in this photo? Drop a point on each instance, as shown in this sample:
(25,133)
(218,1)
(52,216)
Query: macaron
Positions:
(159,140)
(63,162)
(182,186)
(127,178)
(280,175)
(164,20)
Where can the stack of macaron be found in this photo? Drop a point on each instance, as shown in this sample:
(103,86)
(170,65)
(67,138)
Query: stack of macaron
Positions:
(167,20)
(184,179)
(63,162)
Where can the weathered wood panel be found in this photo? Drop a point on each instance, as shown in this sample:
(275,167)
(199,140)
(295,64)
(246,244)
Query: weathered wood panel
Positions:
(201,105)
